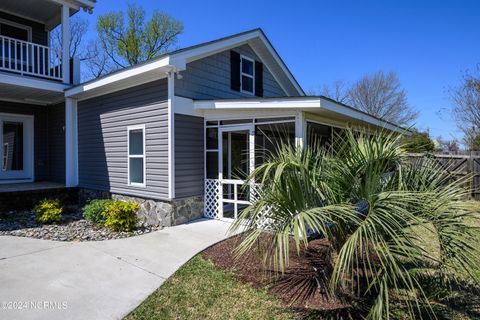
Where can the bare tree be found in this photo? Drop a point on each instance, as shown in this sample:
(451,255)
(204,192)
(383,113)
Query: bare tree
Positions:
(466,100)
(91,55)
(379,94)
(448,145)
(78,30)
(97,62)
(338,91)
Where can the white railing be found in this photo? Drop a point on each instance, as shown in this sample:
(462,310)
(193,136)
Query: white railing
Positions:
(29,58)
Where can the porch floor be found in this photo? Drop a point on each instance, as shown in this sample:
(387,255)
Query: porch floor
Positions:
(30,186)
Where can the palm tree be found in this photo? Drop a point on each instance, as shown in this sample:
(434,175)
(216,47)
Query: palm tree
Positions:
(372,205)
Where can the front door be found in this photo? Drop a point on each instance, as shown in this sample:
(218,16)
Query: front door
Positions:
(16,152)
(236,162)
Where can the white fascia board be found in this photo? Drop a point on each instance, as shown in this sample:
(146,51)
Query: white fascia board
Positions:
(31,82)
(86,3)
(246,113)
(185,106)
(300,104)
(358,115)
(212,48)
(258,104)
(119,76)
(70,4)
(75,4)
(282,65)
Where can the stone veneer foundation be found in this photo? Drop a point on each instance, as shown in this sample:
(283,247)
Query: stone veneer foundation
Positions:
(154,212)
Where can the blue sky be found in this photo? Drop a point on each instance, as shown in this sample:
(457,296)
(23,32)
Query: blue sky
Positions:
(427,43)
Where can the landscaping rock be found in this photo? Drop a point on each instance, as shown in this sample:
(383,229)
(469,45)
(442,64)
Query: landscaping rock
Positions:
(72,227)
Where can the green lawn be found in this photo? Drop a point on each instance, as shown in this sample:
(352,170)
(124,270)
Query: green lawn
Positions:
(200,291)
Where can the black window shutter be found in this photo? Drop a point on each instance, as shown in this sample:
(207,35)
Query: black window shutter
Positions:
(258,79)
(235,70)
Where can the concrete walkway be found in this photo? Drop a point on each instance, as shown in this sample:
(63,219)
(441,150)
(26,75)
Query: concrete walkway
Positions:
(94,280)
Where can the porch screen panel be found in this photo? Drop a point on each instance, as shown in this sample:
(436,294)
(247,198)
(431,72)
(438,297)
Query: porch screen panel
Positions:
(12,146)
(319,134)
(211,153)
(270,137)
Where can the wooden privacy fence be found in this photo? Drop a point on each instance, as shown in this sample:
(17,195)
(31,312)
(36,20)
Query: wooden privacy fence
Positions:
(457,165)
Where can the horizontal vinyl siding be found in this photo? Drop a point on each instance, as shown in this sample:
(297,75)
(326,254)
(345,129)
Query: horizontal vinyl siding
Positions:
(102,137)
(56,142)
(209,78)
(40,135)
(189,156)
(39,34)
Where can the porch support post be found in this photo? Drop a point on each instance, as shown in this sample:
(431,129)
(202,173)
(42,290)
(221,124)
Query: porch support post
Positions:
(171,135)
(71,143)
(65,44)
(300,129)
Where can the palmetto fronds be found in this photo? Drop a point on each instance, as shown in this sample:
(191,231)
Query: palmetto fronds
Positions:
(366,198)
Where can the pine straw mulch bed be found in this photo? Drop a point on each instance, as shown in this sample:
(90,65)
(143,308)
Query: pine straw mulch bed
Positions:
(303,286)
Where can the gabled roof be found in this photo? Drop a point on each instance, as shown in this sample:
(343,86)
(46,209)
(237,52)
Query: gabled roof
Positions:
(177,60)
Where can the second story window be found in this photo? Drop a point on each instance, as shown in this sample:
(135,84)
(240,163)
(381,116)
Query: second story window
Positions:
(15,30)
(247,75)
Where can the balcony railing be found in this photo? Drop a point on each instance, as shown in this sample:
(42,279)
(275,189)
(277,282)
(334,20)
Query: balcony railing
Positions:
(29,58)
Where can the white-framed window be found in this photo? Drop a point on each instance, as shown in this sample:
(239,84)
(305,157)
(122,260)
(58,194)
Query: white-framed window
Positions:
(5,156)
(247,75)
(136,156)
(15,30)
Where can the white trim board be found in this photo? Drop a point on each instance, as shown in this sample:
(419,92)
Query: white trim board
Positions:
(143,156)
(27,174)
(121,75)
(171,134)
(19,26)
(178,62)
(30,82)
(251,76)
(71,142)
(275,106)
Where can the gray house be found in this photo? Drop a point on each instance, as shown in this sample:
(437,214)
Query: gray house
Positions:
(177,133)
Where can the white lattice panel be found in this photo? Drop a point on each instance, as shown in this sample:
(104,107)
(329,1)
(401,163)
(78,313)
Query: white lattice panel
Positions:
(212,198)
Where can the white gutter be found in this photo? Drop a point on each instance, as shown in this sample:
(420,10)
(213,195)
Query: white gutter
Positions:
(119,76)
(298,104)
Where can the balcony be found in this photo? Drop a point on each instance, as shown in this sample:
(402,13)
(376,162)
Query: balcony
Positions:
(27,58)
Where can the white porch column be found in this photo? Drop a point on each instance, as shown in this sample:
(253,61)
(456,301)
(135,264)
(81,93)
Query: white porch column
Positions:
(300,129)
(71,143)
(65,44)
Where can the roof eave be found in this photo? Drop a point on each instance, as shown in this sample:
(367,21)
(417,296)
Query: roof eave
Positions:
(306,104)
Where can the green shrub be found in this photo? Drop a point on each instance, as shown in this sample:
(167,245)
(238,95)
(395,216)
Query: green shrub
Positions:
(120,215)
(93,211)
(48,211)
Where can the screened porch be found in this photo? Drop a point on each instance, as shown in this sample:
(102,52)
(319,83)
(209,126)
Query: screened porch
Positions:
(235,147)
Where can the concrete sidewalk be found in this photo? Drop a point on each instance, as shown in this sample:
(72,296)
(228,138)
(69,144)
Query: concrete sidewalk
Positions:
(42,279)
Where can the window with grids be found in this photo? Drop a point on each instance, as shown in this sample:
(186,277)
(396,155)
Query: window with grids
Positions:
(247,75)
(136,156)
